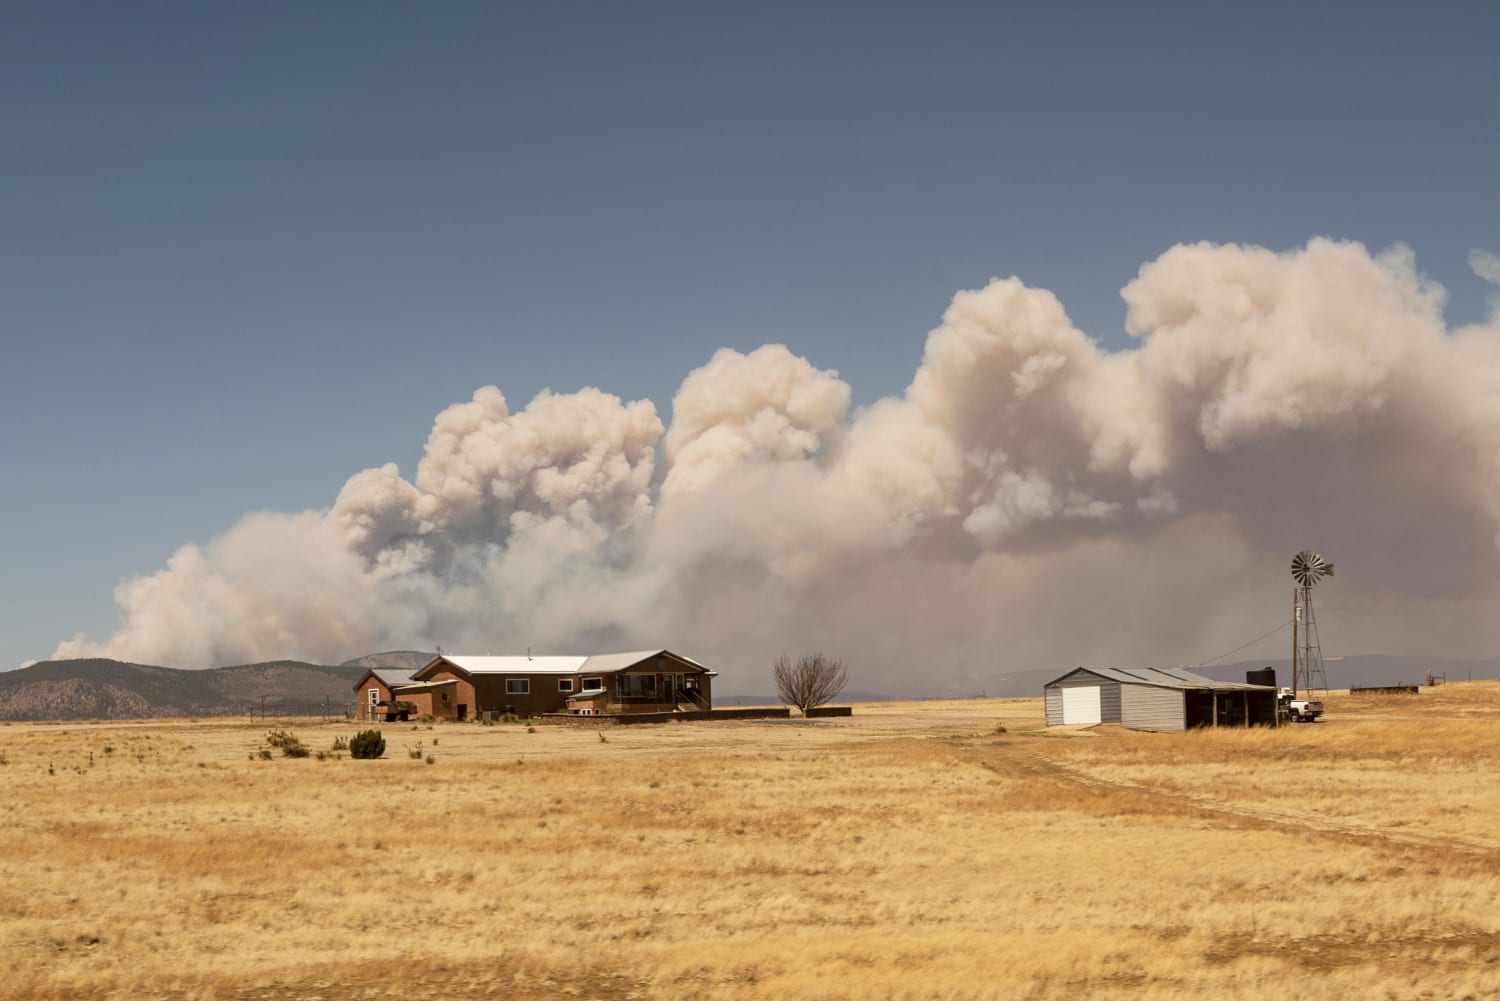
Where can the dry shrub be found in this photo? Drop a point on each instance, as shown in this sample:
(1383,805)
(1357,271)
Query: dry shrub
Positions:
(288,743)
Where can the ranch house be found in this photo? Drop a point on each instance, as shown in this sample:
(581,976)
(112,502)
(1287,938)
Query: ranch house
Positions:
(459,687)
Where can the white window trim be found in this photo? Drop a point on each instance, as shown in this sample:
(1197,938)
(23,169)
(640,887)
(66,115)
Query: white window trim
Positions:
(374,696)
(525,684)
(593,684)
(564,684)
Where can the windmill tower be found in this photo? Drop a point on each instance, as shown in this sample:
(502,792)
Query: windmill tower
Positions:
(1307,656)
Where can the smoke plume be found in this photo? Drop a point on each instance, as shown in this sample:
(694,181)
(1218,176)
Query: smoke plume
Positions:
(1030,502)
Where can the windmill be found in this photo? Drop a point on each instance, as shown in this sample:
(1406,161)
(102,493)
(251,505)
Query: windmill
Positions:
(1307,656)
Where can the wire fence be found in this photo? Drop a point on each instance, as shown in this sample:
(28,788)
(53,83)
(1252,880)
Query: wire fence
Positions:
(325,709)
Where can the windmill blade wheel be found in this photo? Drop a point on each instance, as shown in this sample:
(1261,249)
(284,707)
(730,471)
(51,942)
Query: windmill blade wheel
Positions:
(1308,568)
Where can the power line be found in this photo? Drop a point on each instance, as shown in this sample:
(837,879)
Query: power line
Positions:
(1242,646)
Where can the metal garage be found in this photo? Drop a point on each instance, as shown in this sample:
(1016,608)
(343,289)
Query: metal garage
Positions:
(1156,699)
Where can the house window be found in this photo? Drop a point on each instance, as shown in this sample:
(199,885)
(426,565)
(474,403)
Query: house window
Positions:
(593,684)
(564,684)
(638,685)
(517,686)
(374,696)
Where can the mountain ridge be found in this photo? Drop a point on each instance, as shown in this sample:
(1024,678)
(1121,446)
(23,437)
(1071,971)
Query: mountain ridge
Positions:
(100,688)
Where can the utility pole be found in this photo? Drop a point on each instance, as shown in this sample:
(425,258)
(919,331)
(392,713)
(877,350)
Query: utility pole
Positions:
(1296,616)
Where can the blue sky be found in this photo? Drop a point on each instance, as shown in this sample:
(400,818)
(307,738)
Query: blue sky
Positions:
(248,251)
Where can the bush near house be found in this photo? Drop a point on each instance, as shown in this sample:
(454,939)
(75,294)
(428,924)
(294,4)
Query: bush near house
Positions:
(367,744)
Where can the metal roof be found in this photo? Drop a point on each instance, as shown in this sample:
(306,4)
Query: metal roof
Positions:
(414,685)
(391,676)
(516,665)
(607,663)
(1166,677)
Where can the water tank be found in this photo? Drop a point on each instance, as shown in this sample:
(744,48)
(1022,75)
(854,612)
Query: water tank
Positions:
(1261,676)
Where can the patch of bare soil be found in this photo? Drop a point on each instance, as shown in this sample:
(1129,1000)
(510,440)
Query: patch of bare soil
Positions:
(1328,953)
(1018,757)
(409,981)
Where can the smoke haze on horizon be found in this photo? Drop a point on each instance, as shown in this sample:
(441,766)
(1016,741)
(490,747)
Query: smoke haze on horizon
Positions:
(1031,501)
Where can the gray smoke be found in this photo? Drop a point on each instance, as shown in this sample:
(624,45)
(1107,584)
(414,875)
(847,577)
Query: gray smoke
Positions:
(1031,501)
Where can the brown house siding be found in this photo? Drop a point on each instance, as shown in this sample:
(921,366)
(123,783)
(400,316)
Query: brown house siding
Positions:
(542,695)
(422,700)
(362,707)
(445,701)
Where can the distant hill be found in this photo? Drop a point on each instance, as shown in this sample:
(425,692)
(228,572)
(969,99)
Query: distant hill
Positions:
(111,689)
(401,660)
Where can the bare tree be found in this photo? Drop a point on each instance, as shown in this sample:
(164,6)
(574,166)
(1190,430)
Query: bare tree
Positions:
(809,682)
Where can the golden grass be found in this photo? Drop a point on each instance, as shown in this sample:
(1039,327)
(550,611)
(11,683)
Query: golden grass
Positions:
(908,852)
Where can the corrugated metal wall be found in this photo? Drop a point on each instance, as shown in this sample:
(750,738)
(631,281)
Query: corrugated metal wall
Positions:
(1052,696)
(1109,696)
(1147,708)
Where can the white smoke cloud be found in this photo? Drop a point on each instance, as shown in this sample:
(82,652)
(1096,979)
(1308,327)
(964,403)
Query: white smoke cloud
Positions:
(1031,501)
(1485,265)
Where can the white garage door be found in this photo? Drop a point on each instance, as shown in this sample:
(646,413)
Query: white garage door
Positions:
(1081,705)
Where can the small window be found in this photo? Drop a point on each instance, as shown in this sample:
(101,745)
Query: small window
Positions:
(564,684)
(593,684)
(374,696)
(517,686)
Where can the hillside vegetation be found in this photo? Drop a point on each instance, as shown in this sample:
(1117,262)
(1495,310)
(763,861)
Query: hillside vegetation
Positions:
(112,689)
(909,852)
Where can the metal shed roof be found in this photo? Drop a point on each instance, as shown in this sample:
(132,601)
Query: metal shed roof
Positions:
(1166,677)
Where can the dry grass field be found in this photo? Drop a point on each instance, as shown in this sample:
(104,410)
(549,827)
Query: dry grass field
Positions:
(909,852)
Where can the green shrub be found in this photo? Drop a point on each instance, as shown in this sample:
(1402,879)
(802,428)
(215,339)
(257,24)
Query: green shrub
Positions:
(427,718)
(367,744)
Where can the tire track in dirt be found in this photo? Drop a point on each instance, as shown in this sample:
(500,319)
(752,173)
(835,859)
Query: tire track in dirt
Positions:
(1013,758)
